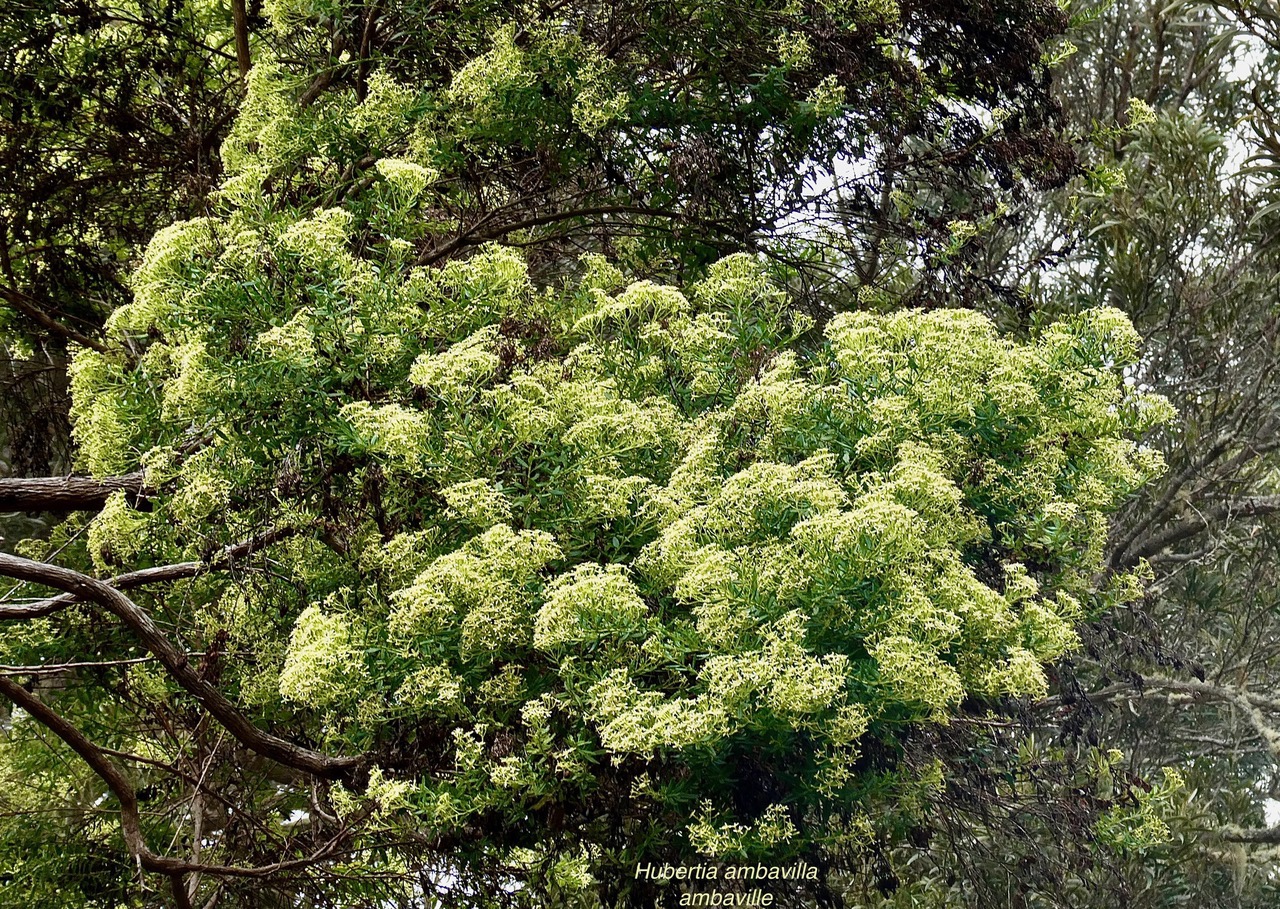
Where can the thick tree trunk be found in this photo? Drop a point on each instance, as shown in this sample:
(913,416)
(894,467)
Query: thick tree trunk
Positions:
(59,494)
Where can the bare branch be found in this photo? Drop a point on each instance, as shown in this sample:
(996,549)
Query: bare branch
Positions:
(225,558)
(366,46)
(124,792)
(37,494)
(1151,684)
(56,668)
(33,311)
(1244,507)
(175,661)
(1266,836)
(240,25)
(325,77)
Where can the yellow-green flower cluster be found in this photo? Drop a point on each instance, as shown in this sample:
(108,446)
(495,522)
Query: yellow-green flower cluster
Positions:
(589,603)
(455,374)
(480,593)
(727,839)
(408,178)
(323,661)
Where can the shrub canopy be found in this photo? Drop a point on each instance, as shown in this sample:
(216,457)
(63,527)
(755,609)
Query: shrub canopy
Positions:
(593,548)
(603,572)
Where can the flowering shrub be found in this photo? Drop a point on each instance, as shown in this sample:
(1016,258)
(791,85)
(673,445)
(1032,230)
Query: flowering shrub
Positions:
(591,571)
(593,558)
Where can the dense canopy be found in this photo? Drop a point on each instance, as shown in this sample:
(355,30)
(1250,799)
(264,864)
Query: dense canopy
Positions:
(552,580)
(593,575)
(516,444)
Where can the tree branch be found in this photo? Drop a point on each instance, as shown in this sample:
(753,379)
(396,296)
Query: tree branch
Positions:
(1266,836)
(175,661)
(476,234)
(1150,684)
(1246,507)
(157,575)
(29,308)
(37,494)
(366,47)
(1161,508)
(325,76)
(124,792)
(240,25)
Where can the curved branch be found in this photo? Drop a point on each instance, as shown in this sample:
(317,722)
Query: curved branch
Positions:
(326,75)
(37,494)
(1246,507)
(29,308)
(1160,510)
(158,575)
(125,794)
(175,661)
(476,234)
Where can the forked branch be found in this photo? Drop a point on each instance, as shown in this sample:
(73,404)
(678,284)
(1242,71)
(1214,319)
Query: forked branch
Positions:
(175,662)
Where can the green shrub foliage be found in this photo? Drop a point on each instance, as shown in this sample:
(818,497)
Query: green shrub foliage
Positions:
(598,572)
(586,541)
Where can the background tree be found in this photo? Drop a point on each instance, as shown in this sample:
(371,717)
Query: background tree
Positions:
(671,134)
(112,118)
(1171,222)
(1204,290)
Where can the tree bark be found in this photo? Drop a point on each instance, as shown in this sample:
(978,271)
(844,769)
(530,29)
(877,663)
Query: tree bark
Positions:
(1265,836)
(61,494)
(240,25)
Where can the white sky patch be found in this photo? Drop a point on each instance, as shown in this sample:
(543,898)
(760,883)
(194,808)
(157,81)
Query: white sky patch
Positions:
(1271,812)
(1247,67)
